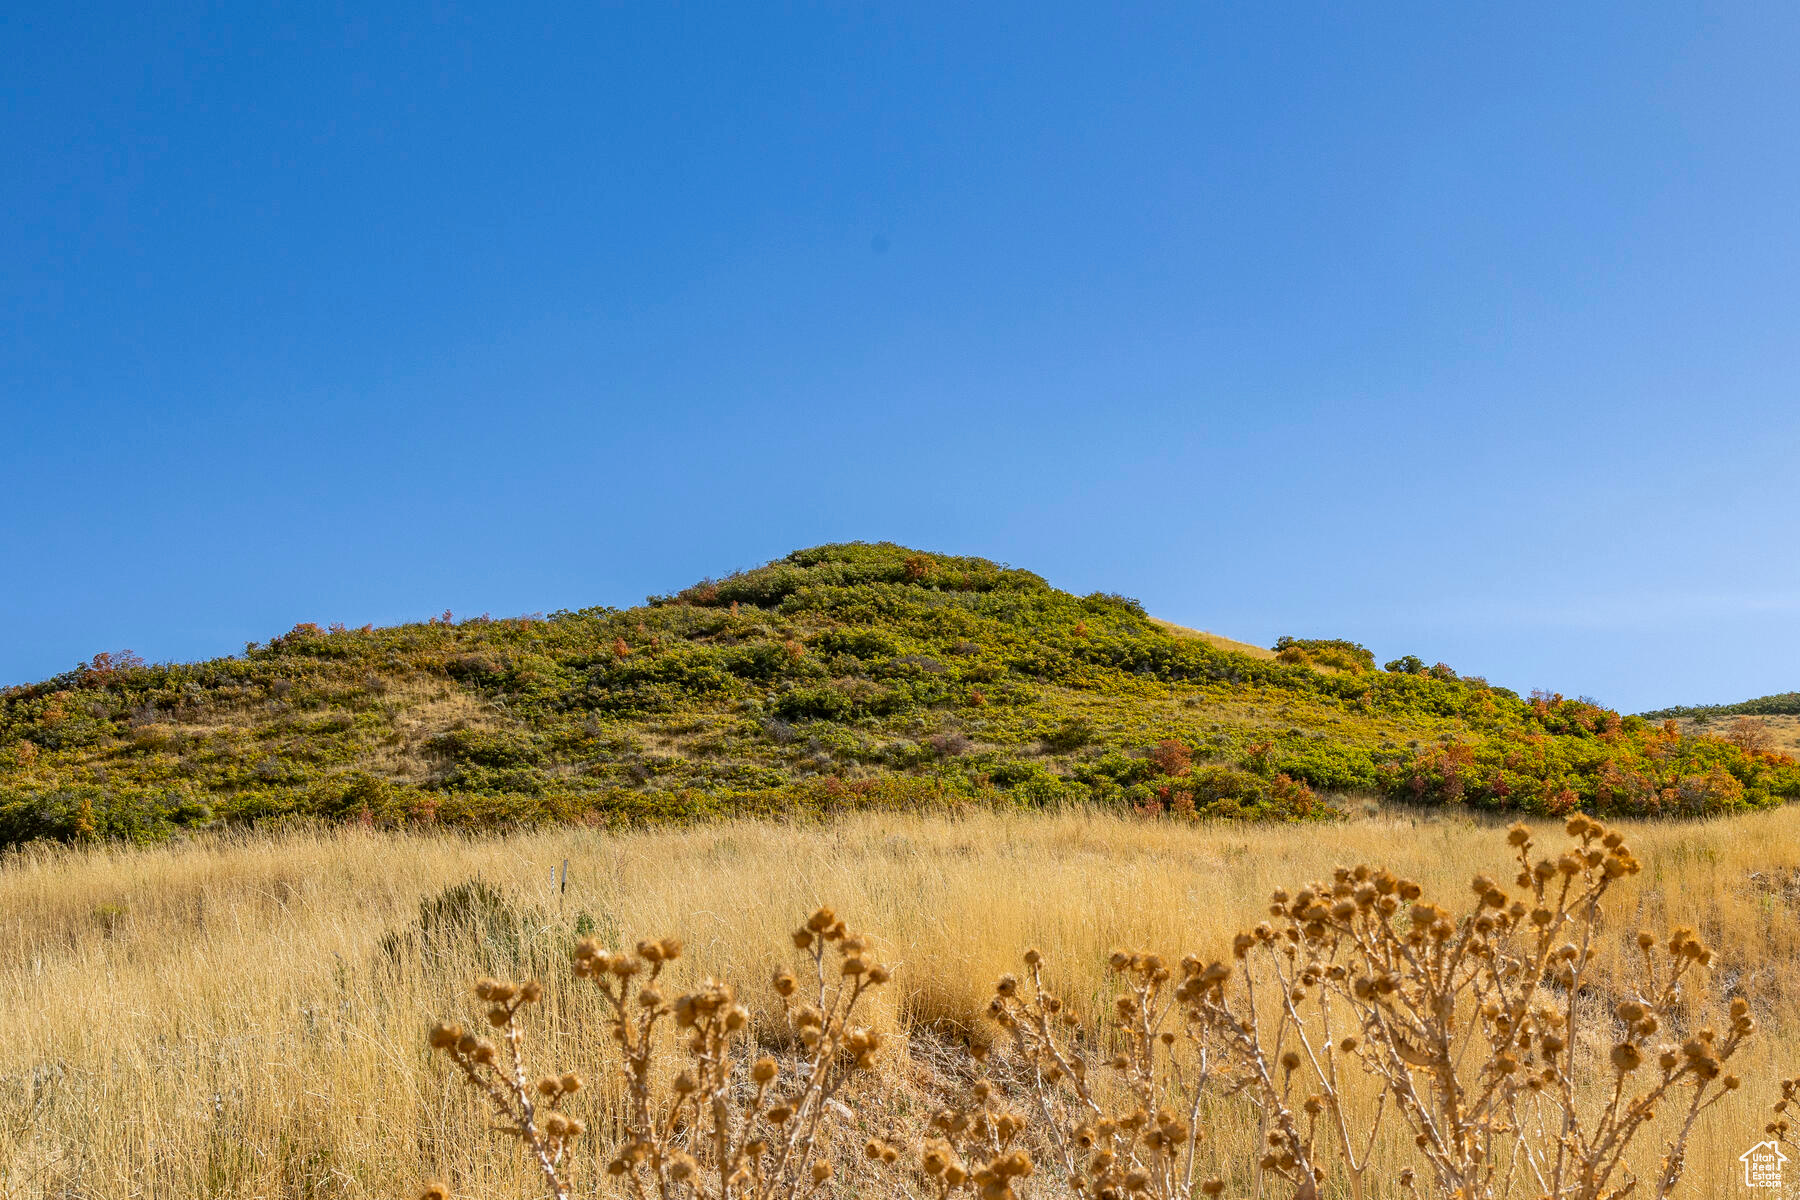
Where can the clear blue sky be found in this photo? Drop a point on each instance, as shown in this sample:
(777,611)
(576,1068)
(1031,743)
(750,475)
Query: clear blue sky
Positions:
(1459,332)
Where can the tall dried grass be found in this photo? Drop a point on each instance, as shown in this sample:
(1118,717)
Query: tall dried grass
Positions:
(233,1018)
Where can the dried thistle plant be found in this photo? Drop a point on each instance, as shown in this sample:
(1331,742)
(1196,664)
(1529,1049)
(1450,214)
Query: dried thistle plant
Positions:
(1779,1127)
(1358,1008)
(1468,1028)
(1125,1123)
(724,1128)
(501,1076)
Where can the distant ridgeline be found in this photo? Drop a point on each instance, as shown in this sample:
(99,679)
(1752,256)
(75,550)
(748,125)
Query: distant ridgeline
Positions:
(844,676)
(1784,704)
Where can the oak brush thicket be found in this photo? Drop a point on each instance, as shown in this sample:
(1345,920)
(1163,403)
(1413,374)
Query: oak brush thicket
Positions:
(1478,1027)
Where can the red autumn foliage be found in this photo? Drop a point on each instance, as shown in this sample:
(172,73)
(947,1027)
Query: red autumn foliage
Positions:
(1171,757)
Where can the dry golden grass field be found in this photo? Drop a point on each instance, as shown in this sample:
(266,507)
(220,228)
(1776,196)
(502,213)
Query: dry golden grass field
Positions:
(1216,640)
(230,1017)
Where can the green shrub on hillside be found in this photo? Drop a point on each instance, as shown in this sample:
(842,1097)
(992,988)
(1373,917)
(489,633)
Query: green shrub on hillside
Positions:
(1335,653)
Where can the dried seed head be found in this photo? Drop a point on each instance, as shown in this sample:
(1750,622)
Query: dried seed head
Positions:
(685,1012)
(444,1035)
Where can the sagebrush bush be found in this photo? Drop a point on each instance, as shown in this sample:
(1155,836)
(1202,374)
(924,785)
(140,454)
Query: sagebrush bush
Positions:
(1478,1026)
(471,919)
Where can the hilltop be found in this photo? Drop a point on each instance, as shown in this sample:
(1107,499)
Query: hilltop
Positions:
(857,675)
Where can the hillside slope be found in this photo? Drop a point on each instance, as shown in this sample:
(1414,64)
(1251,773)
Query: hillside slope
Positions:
(865,675)
(1767,723)
(1785,704)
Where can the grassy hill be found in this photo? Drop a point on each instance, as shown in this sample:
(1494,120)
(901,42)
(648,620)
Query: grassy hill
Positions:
(1783,704)
(1767,723)
(852,675)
